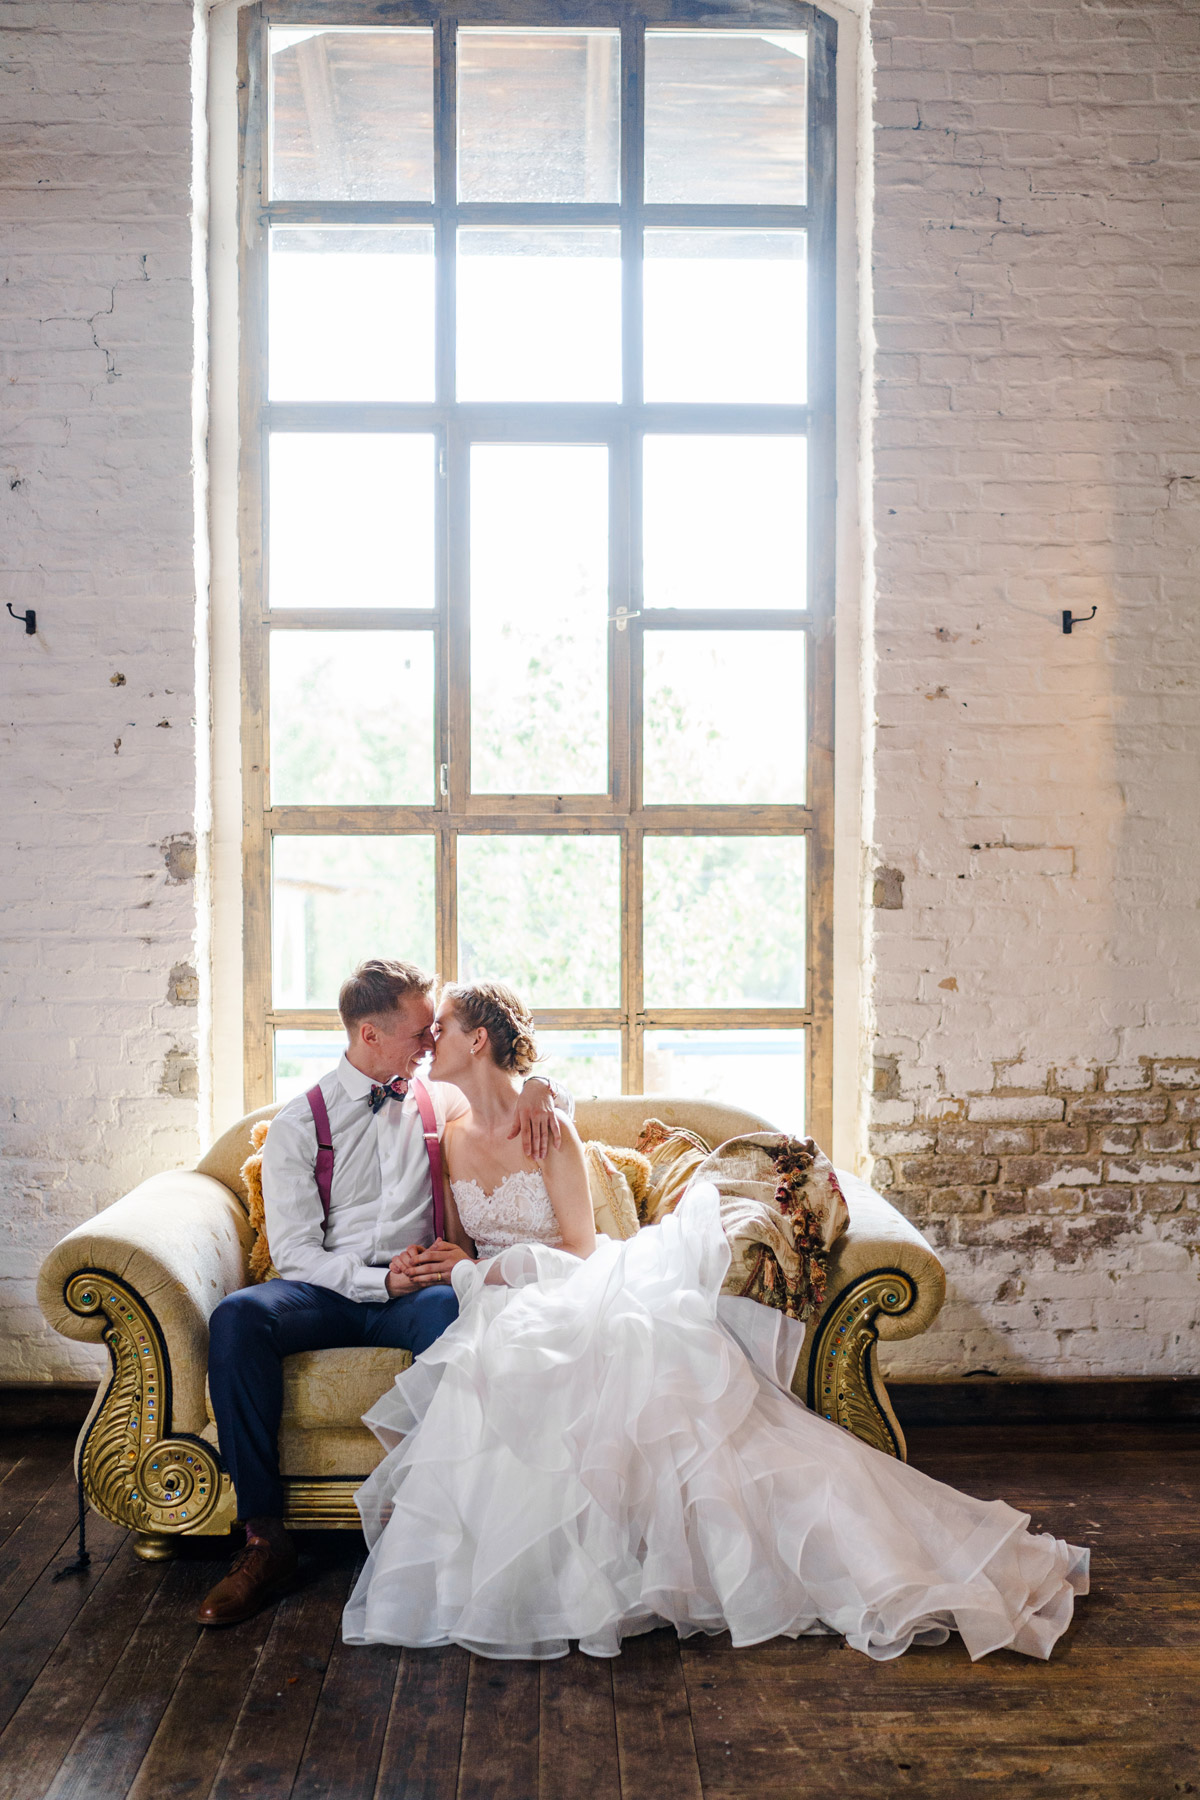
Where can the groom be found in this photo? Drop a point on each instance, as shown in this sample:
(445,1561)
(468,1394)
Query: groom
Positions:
(342,1282)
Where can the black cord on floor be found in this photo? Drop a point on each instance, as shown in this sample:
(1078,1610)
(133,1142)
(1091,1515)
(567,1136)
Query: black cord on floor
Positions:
(83,1559)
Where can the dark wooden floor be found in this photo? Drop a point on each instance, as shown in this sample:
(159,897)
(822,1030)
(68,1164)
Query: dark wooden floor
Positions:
(108,1689)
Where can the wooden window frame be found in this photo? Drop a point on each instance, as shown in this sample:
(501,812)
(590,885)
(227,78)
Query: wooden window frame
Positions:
(620,812)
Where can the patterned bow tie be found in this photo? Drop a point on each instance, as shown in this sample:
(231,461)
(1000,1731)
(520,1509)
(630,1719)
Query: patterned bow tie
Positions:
(395,1089)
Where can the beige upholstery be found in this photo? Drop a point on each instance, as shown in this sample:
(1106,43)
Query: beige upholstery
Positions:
(224,1161)
(180,1242)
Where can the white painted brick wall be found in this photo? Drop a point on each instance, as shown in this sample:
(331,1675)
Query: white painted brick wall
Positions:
(1037,446)
(96,902)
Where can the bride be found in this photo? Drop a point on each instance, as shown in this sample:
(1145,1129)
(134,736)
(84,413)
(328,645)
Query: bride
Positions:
(589,1451)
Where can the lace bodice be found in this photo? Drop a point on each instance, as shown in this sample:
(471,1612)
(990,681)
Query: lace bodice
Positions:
(518,1211)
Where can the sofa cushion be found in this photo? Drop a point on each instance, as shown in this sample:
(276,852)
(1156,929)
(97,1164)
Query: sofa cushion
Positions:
(327,1388)
(619,1119)
(674,1155)
(224,1161)
(783,1210)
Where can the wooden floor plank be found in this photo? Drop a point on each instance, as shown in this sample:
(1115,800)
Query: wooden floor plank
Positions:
(577,1739)
(500,1731)
(192,1736)
(44,1726)
(654,1727)
(931,1723)
(117,1730)
(341,1758)
(43,1536)
(268,1739)
(422,1747)
(43,1465)
(139,1705)
(32,1633)
(12,1449)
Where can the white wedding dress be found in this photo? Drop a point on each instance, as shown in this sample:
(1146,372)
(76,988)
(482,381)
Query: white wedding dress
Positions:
(590,1452)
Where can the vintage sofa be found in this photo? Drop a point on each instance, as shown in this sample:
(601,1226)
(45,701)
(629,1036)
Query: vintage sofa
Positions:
(145,1274)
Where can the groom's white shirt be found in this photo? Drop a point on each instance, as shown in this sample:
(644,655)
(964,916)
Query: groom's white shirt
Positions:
(381,1199)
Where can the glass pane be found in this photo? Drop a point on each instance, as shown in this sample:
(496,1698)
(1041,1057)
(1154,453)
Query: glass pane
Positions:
(302,1057)
(587,1062)
(539,315)
(760,1070)
(543,914)
(725,718)
(724,521)
(351,314)
(337,900)
(725,117)
(352,718)
(351,114)
(724,921)
(538,115)
(539,604)
(351,519)
(725,316)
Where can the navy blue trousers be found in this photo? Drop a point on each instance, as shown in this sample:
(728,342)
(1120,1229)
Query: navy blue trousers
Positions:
(251,1332)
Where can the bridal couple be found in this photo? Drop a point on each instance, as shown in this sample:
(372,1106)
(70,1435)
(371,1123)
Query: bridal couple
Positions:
(582,1448)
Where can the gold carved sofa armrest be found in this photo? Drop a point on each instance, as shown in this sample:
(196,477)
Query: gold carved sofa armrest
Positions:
(883,1281)
(143,1277)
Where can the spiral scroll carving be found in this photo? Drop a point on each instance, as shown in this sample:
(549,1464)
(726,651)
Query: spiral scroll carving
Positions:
(135,1472)
(843,1384)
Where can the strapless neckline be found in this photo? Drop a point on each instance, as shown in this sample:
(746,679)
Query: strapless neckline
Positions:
(517,1211)
(516,1175)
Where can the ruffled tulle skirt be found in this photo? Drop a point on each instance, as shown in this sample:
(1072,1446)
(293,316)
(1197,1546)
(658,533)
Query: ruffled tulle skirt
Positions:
(590,1452)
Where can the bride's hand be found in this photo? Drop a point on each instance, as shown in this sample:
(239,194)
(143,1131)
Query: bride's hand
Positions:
(435,1264)
(536,1122)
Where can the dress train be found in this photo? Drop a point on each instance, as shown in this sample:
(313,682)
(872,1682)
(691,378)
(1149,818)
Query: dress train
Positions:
(590,1452)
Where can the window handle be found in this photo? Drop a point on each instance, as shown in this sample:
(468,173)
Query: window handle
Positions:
(443,778)
(622,617)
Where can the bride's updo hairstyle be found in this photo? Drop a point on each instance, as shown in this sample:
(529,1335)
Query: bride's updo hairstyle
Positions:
(508,1024)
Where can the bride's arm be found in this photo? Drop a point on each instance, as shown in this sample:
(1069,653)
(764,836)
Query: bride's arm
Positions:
(565,1174)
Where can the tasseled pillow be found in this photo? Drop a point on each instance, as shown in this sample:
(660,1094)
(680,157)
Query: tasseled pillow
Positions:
(261,1266)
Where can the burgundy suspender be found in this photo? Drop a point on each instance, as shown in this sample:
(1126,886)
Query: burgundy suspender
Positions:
(433,1150)
(324,1165)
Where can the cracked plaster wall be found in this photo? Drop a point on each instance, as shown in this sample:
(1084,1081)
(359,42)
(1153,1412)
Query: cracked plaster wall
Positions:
(97,852)
(1036,933)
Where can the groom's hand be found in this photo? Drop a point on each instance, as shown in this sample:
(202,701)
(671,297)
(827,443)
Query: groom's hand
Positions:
(435,1264)
(398,1280)
(536,1122)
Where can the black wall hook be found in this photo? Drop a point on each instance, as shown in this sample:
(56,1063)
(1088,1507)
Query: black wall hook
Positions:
(1083,618)
(28,619)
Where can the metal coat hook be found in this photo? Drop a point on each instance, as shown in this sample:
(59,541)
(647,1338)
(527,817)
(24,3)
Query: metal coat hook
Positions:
(28,619)
(1082,619)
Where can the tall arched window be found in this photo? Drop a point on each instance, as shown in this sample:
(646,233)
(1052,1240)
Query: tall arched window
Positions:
(537,529)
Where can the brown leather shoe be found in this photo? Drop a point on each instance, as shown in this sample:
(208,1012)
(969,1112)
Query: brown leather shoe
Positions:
(261,1572)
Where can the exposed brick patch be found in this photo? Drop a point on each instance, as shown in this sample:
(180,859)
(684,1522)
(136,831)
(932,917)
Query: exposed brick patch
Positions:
(1145,1109)
(1094,1196)
(1012,1140)
(1016,1108)
(1126,1151)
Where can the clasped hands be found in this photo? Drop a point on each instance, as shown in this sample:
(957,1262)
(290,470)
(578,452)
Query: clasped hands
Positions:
(417,1267)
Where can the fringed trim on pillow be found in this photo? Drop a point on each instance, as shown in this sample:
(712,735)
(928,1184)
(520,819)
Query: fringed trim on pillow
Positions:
(261,1266)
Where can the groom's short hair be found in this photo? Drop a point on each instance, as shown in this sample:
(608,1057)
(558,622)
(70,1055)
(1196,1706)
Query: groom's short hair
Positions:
(378,986)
